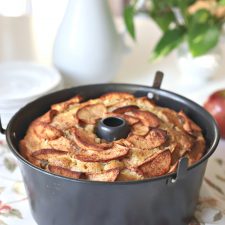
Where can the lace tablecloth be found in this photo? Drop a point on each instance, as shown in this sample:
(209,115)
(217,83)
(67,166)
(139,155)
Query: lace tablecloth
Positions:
(14,206)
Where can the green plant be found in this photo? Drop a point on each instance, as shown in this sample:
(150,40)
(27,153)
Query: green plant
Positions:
(196,22)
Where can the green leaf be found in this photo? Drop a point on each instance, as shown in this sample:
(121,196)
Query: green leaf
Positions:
(161,12)
(203,38)
(201,16)
(163,19)
(190,2)
(162,4)
(128,15)
(10,164)
(169,41)
(181,3)
(203,33)
(222,2)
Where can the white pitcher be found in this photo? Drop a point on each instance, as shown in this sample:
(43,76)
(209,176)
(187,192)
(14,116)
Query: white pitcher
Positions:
(87,48)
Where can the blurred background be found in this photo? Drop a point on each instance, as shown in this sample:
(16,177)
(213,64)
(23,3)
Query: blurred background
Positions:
(28,30)
(41,22)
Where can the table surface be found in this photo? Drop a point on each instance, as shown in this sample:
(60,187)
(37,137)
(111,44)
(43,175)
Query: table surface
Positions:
(135,68)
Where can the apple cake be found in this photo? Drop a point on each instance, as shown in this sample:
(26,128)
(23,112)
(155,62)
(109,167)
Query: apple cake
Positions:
(64,141)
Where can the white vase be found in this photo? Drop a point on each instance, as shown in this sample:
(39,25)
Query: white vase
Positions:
(195,71)
(87,48)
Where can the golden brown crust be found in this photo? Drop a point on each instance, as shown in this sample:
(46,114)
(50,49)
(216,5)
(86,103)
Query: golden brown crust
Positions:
(129,175)
(108,176)
(64,172)
(124,109)
(147,118)
(64,105)
(140,129)
(63,141)
(112,96)
(137,157)
(116,152)
(197,151)
(48,116)
(157,166)
(153,139)
(90,113)
(46,153)
(46,131)
(24,151)
(188,124)
(86,140)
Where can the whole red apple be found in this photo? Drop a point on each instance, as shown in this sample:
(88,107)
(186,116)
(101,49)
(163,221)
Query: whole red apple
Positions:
(216,106)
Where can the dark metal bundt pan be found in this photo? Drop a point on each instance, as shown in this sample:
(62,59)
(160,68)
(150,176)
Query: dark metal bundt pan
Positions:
(165,200)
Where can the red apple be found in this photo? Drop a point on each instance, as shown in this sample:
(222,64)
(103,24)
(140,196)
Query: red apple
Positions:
(216,106)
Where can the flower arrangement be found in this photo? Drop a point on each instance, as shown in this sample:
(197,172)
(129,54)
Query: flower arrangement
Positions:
(199,23)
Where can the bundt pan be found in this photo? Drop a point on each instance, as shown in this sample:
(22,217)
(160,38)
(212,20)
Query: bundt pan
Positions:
(167,200)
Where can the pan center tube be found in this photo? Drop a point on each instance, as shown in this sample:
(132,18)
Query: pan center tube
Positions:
(112,128)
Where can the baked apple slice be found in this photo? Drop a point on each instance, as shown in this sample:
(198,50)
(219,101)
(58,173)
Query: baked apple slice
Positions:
(46,131)
(43,157)
(85,140)
(140,129)
(197,150)
(116,152)
(153,139)
(90,113)
(48,116)
(64,172)
(145,103)
(124,109)
(129,175)
(107,176)
(157,166)
(137,157)
(60,107)
(147,118)
(188,125)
